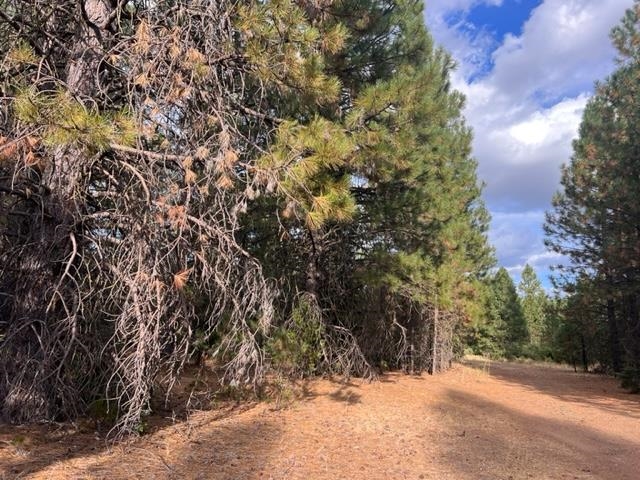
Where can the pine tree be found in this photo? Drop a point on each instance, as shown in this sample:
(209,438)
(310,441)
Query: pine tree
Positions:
(595,218)
(159,161)
(507,303)
(533,300)
(486,331)
(134,137)
(421,224)
(414,242)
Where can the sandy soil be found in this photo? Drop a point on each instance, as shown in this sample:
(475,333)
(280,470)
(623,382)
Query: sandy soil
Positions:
(477,421)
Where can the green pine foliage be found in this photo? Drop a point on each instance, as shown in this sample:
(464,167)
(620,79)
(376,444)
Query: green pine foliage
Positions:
(296,348)
(534,302)
(312,159)
(63,121)
(510,322)
(486,333)
(594,220)
(379,209)
(287,51)
(290,187)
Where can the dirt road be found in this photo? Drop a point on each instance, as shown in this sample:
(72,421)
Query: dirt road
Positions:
(478,421)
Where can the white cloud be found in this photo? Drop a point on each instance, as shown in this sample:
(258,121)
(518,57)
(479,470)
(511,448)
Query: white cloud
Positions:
(563,48)
(470,46)
(541,262)
(520,152)
(526,110)
(548,126)
(537,260)
(544,258)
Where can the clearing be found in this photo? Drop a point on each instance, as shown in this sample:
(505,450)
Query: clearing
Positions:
(478,421)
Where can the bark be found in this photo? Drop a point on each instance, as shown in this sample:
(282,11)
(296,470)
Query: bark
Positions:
(82,82)
(45,301)
(614,337)
(82,71)
(434,368)
(632,333)
(312,273)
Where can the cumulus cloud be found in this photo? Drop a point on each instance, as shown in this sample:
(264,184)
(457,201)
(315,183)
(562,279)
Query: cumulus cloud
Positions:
(521,152)
(526,108)
(470,45)
(564,47)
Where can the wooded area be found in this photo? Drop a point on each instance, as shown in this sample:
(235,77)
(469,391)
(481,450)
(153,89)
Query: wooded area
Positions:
(593,320)
(595,221)
(281,186)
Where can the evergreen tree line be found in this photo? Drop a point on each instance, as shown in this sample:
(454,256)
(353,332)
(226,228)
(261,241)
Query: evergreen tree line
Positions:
(595,224)
(516,321)
(595,221)
(524,322)
(283,185)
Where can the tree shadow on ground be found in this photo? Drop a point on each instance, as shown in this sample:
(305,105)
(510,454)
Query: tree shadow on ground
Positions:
(341,390)
(28,449)
(563,384)
(203,447)
(489,441)
(216,451)
(346,394)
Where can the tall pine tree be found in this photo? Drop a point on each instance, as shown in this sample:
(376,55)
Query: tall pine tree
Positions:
(595,218)
(534,304)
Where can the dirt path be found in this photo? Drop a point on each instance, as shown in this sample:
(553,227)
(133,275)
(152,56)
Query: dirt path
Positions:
(478,421)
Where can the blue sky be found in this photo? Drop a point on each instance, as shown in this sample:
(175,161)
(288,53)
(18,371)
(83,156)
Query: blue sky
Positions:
(493,21)
(527,68)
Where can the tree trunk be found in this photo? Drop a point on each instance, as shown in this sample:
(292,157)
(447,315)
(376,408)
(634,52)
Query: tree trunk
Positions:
(82,82)
(312,273)
(434,342)
(585,360)
(614,337)
(43,318)
(632,333)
